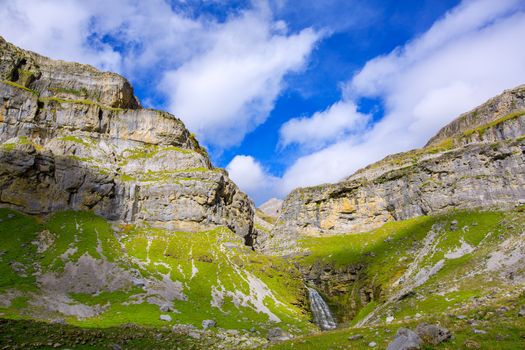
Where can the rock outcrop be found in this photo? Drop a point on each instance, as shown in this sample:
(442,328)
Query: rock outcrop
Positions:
(73,137)
(477,161)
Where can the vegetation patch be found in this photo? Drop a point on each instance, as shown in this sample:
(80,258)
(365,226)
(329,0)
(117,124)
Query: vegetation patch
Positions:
(482,129)
(27,334)
(87,142)
(79,102)
(83,92)
(10,145)
(18,86)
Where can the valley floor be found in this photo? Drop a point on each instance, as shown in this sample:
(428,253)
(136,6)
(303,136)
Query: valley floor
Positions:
(75,281)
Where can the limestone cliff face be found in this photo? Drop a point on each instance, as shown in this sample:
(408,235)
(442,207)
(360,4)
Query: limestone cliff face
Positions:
(477,161)
(504,107)
(73,137)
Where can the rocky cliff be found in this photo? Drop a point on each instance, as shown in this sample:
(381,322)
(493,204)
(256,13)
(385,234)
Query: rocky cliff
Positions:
(73,137)
(112,214)
(477,161)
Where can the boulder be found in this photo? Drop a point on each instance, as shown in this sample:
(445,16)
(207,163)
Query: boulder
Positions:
(165,308)
(405,340)
(432,334)
(521,313)
(355,337)
(208,324)
(166,318)
(277,334)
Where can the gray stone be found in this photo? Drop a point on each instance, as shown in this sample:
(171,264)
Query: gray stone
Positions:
(194,335)
(277,334)
(433,334)
(165,318)
(208,324)
(355,337)
(521,313)
(138,283)
(165,308)
(405,340)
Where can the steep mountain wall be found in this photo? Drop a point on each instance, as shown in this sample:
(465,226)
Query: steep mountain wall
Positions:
(497,108)
(73,137)
(475,162)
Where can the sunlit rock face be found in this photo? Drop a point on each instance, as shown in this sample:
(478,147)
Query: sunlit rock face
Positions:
(476,161)
(77,138)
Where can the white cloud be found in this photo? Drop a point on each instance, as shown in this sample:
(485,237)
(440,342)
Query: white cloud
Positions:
(148,32)
(324,127)
(251,178)
(54,28)
(231,88)
(470,55)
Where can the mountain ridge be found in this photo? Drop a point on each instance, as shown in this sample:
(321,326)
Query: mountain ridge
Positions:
(478,165)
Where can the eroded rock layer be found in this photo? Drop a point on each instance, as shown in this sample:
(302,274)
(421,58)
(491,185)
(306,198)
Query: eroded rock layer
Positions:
(77,138)
(475,162)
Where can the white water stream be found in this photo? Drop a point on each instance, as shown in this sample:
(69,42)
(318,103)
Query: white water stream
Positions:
(322,315)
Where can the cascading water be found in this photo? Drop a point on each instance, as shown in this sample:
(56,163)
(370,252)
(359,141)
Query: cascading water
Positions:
(322,315)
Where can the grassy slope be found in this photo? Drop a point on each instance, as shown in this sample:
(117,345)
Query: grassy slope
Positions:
(199,261)
(388,252)
(218,257)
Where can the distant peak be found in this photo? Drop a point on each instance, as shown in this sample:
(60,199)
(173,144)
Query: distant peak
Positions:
(271,207)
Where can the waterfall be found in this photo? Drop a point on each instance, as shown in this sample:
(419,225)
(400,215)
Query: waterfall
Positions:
(322,315)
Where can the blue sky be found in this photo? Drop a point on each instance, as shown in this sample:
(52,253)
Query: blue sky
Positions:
(291,93)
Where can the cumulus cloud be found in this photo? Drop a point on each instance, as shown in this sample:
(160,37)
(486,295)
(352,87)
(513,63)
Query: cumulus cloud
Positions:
(250,176)
(231,88)
(124,35)
(55,28)
(323,127)
(220,77)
